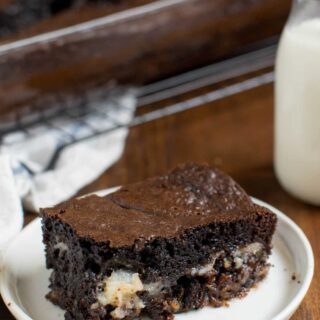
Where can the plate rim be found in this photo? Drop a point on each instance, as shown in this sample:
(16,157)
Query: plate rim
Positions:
(18,312)
(305,284)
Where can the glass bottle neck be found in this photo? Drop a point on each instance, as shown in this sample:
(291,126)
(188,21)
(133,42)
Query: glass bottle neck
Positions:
(303,10)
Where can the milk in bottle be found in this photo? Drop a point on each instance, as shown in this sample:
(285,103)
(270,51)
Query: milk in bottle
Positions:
(297,105)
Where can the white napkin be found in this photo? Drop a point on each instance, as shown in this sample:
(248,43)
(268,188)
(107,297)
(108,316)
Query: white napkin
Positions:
(11,219)
(77,165)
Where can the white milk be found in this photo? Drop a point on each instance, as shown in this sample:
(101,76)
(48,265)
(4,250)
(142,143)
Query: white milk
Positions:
(297,134)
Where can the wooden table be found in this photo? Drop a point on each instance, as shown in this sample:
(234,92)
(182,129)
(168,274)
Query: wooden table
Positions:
(235,134)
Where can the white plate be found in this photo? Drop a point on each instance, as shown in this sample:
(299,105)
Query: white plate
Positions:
(24,279)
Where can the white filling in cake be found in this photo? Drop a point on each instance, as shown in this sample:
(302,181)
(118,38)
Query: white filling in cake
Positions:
(121,287)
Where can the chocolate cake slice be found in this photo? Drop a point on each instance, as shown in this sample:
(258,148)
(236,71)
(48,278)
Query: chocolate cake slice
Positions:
(169,244)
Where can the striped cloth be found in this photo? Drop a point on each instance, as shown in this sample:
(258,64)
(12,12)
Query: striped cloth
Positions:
(30,177)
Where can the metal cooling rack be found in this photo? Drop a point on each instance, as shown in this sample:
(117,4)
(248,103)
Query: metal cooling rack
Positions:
(30,122)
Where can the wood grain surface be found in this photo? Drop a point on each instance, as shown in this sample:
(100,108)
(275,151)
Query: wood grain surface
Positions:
(235,134)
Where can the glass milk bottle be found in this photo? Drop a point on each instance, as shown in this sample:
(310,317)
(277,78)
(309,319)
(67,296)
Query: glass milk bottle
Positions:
(297,104)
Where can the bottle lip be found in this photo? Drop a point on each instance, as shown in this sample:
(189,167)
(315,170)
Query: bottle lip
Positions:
(302,10)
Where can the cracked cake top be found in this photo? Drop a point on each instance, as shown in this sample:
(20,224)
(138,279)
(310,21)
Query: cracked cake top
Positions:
(188,197)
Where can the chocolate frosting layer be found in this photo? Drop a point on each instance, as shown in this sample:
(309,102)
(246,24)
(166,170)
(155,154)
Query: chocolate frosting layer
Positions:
(189,196)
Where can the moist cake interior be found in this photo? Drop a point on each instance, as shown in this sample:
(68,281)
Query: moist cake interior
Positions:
(170,244)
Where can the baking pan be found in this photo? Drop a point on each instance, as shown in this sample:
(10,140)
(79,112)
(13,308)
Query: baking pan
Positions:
(145,42)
